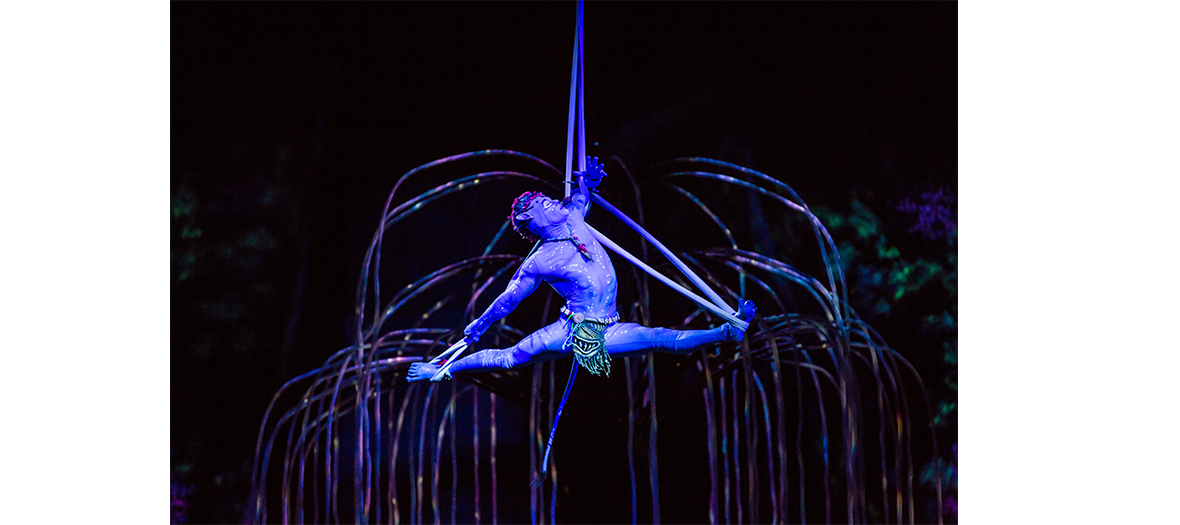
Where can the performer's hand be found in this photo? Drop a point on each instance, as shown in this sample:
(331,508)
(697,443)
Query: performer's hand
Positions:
(594,173)
(472,332)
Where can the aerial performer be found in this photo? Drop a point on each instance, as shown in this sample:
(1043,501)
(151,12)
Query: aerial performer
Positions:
(569,257)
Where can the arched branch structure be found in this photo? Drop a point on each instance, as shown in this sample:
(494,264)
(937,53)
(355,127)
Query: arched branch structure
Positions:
(813,417)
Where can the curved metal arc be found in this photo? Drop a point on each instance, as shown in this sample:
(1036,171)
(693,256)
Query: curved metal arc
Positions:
(265,456)
(817,291)
(822,236)
(844,352)
(372,256)
(901,418)
(393,217)
(712,277)
(821,232)
(254,478)
(736,167)
(425,283)
(446,160)
(454,158)
(383,363)
(929,416)
(322,375)
(406,208)
(708,212)
(469,310)
(313,433)
(759,282)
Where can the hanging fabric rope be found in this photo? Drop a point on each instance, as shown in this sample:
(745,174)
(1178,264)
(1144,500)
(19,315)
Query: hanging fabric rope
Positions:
(719,311)
(577,120)
(576,143)
(575,152)
(717,306)
(537,481)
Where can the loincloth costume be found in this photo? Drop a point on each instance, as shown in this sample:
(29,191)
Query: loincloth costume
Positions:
(587,340)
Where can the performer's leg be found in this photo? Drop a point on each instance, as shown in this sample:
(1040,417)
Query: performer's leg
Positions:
(625,339)
(543,344)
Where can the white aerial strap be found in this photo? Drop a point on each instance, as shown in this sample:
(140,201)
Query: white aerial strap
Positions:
(720,310)
(457,349)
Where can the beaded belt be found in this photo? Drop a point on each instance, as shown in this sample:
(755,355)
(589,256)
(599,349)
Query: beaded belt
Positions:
(578,318)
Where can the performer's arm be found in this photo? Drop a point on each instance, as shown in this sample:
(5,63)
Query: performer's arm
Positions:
(587,181)
(522,285)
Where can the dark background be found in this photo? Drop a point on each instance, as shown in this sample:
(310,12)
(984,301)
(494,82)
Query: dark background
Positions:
(291,122)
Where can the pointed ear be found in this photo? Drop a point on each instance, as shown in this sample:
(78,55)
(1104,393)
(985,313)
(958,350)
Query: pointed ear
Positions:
(524,217)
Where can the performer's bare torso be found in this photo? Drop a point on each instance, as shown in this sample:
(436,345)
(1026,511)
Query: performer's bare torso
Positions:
(589,287)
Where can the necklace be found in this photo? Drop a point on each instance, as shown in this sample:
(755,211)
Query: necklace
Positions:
(573,238)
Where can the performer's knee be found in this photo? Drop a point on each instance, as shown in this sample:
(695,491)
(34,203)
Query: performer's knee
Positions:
(688,340)
(669,339)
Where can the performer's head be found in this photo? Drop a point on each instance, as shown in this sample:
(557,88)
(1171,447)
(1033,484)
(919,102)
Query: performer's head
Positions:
(532,212)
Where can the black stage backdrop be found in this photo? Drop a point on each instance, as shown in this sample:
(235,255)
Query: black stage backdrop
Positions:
(291,122)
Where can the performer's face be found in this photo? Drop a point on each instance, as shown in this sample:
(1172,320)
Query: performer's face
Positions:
(546,211)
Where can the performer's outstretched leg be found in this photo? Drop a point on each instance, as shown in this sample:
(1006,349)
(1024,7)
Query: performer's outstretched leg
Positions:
(630,339)
(532,348)
(634,339)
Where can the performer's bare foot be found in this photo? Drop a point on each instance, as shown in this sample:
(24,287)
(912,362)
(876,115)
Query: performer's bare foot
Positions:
(746,311)
(421,371)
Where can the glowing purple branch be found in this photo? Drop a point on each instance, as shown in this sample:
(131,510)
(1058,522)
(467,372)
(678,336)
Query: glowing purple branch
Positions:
(774,503)
(822,236)
(653,467)
(711,435)
(395,512)
(781,496)
(631,435)
(737,464)
(424,422)
(427,282)
(725,445)
(454,454)
(535,437)
(761,284)
(492,445)
(821,296)
(823,424)
(475,449)
(750,425)
(442,428)
(708,212)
